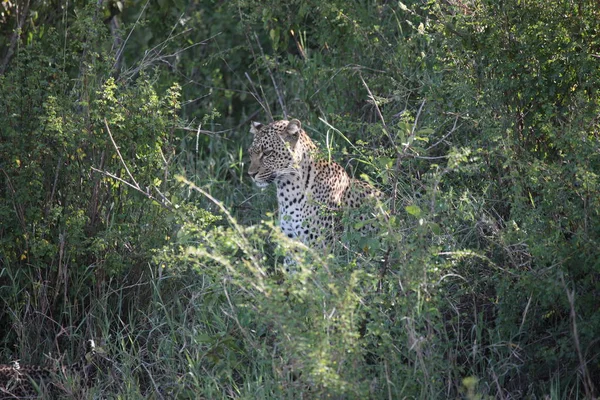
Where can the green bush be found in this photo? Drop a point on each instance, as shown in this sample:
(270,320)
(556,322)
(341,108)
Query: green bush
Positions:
(478,119)
(68,227)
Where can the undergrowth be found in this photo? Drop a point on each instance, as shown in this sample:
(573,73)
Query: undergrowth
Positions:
(127,217)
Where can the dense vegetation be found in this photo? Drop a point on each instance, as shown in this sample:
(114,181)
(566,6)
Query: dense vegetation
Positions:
(126,215)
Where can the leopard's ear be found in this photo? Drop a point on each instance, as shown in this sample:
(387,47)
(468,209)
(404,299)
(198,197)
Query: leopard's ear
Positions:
(255,127)
(294,127)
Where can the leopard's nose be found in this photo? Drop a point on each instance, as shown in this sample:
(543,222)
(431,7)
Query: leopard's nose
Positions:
(252,173)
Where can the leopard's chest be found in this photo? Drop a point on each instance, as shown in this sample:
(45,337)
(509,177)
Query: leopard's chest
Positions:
(293,207)
(305,203)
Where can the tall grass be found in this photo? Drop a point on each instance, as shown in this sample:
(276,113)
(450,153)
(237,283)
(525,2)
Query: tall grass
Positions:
(127,218)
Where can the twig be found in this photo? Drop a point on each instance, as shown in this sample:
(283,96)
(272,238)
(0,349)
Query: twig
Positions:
(54,185)
(161,58)
(198,137)
(220,205)
(323,120)
(498,387)
(243,242)
(120,51)
(19,209)
(454,128)
(277,91)
(410,139)
(62,267)
(164,43)
(163,201)
(234,315)
(587,380)
(215,133)
(207,133)
(379,114)
(113,23)
(157,389)
(525,313)
(468,253)
(64,16)
(392,142)
(326,84)
(263,103)
(248,199)
(119,153)
(14,39)
(427,158)
(155,52)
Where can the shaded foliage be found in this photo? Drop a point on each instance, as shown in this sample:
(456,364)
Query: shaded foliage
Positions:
(479,119)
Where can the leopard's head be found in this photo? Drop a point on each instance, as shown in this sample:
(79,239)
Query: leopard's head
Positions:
(274,152)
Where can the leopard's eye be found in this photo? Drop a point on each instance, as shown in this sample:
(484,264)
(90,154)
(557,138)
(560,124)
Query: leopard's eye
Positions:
(267,152)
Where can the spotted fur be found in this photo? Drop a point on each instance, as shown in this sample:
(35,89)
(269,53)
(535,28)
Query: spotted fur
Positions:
(34,382)
(309,190)
(43,382)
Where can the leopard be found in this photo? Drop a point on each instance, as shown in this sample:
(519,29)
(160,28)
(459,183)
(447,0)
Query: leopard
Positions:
(28,381)
(311,190)
(48,381)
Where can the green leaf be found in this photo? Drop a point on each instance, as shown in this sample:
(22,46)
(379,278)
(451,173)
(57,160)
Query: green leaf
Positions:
(274,35)
(435,228)
(413,210)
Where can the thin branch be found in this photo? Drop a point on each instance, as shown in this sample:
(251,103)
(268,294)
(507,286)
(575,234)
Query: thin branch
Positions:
(379,114)
(198,137)
(587,380)
(410,139)
(54,185)
(277,91)
(454,128)
(217,133)
(234,316)
(207,133)
(248,199)
(163,201)
(19,209)
(245,246)
(220,205)
(119,153)
(163,45)
(179,51)
(153,55)
(117,44)
(323,120)
(119,179)
(263,103)
(348,67)
(14,39)
(427,158)
(463,254)
(122,48)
